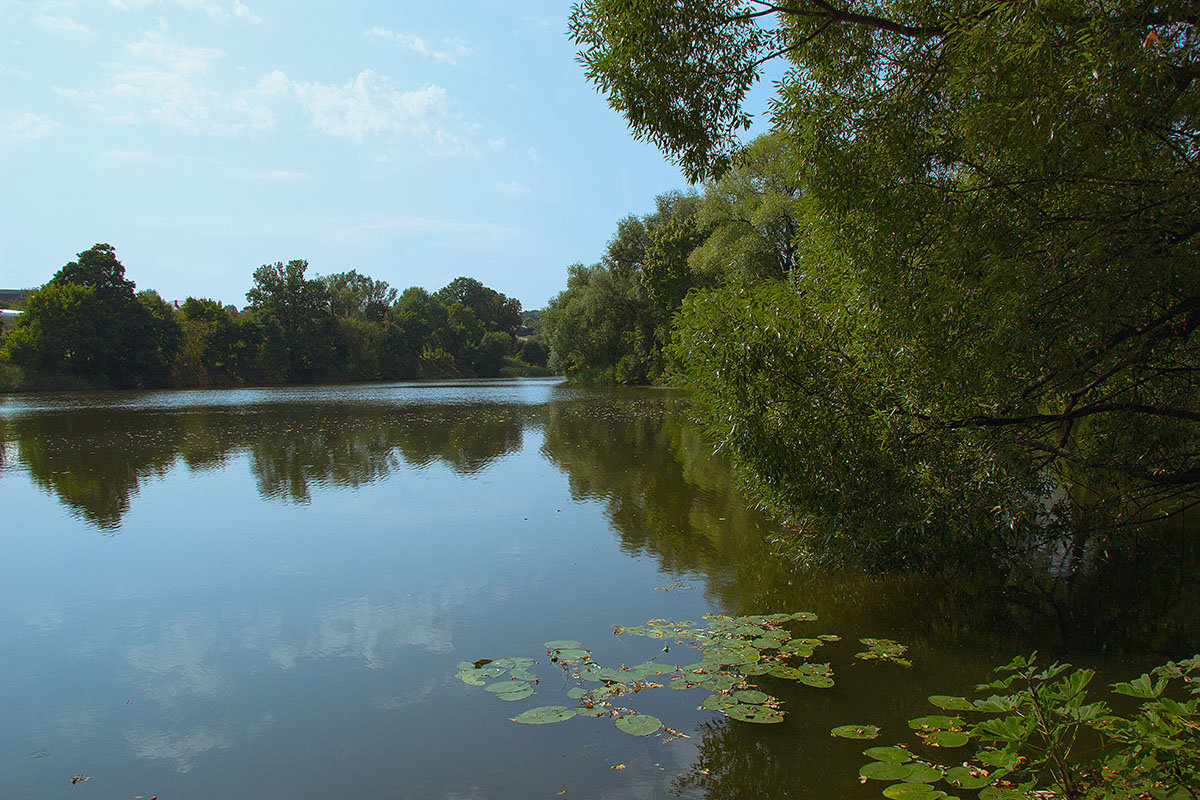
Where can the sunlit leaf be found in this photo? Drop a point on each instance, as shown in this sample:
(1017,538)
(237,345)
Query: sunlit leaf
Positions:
(638,724)
(856,731)
(896,755)
(545,714)
(753,713)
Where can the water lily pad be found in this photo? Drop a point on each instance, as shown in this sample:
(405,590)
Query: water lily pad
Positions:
(947,703)
(504,663)
(719,683)
(756,669)
(751,696)
(576,692)
(856,731)
(594,711)
(463,666)
(885,771)
(1001,793)
(569,654)
(489,672)
(544,715)
(763,643)
(639,724)
(946,738)
(516,694)
(591,672)
(522,674)
(816,681)
(717,702)
(896,755)
(936,722)
(787,673)
(745,712)
(923,773)
(912,791)
(507,687)
(470,679)
(829,637)
(562,644)
(964,779)
(804,616)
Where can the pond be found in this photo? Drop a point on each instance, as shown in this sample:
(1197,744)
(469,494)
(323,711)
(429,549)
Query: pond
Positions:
(265,593)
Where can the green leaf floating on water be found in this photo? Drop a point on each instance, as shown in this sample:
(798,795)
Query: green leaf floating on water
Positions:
(947,703)
(912,791)
(506,687)
(562,644)
(762,715)
(946,738)
(885,771)
(639,724)
(896,755)
(923,773)
(516,694)
(544,715)
(965,779)
(751,696)
(856,731)
(936,722)
(570,654)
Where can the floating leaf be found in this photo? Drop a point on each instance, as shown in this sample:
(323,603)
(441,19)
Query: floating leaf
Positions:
(516,694)
(912,791)
(594,711)
(469,679)
(753,713)
(947,703)
(507,687)
(897,755)
(570,655)
(504,663)
(717,702)
(965,779)
(562,644)
(804,616)
(751,696)
(856,731)
(924,773)
(946,738)
(936,722)
(829,637)
(816,681)
(639,724)
(576,692)
(544,715)
(885,771)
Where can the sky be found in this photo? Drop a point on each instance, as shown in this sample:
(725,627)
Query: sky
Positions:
(413,142)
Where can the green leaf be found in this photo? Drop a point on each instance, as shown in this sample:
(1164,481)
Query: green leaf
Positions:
(946,738)
(896,755)
(568,655)
(963,778)
(516,694)
(638,724)
(507,687)
(751,696)
(562,644)
(885,771)
(753,713)
(947,703)
(935,722)
(912,791)
(923,773)
(856,731)
(544,715)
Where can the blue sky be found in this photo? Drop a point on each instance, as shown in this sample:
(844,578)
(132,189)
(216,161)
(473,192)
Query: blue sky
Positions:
(414,142)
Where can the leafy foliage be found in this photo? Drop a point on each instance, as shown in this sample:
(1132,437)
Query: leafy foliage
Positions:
(1038,735)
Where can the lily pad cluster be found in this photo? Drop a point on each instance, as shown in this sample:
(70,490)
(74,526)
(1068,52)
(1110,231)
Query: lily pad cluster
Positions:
(734,651)
(884,650)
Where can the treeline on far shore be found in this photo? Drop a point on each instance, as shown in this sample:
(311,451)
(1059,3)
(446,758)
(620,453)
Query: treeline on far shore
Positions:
(88,328)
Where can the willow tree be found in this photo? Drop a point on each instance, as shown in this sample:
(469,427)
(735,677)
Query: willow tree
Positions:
(994,311)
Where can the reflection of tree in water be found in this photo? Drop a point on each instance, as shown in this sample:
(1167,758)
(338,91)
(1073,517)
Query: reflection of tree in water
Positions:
(94,460)
(667,496)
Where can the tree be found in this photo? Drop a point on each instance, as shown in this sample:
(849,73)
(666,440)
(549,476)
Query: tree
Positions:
(999,239)
(358,296)
(87,322)
(296,322)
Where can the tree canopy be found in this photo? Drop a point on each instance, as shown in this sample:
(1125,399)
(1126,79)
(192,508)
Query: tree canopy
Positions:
(992,302)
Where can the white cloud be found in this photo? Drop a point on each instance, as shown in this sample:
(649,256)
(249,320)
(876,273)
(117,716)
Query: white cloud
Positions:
(451,50)
(12,71)
(238,10)
(515,188)
(534,158)
(370,105)
(30,127)
(62,25)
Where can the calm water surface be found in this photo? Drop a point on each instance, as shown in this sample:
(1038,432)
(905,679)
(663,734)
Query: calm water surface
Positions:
(264,593)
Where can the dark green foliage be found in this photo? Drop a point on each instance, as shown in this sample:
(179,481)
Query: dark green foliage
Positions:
(87,322)
(534,353)
(985,349)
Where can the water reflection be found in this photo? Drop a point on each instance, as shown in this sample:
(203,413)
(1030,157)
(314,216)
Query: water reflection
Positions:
(95,461)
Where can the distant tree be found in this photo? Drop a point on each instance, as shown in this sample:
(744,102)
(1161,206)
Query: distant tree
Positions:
(487,357)
(533,352)
(296,322)
(357,296)
(86,321)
